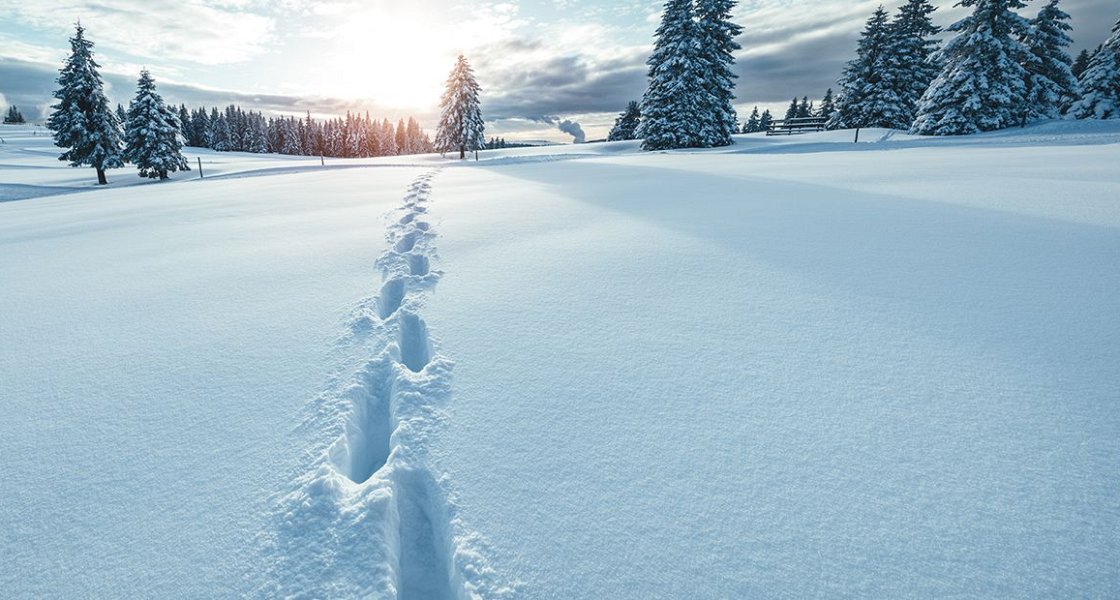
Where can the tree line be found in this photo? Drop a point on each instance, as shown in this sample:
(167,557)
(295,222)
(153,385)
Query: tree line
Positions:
(151,135)
(1000,70)
(354,136)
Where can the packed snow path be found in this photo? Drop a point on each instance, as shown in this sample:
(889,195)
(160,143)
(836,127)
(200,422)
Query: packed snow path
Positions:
(370,513)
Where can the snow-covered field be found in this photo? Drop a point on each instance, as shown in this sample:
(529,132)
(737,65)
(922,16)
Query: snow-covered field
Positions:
(793,368)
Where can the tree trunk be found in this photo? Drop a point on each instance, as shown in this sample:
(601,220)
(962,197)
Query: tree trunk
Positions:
(462,151)
(101,179)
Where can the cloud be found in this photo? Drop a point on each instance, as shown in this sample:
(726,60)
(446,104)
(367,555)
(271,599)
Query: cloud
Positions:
(196,31)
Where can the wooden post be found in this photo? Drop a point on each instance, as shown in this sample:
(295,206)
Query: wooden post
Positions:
(199,167)
(322,161)
(857,135)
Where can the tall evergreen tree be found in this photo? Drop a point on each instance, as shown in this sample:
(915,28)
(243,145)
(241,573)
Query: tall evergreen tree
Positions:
(153,140)
(14,117)
(908,63)
(867,98)
(675,103)
(982,86)
(1100,83)
(626,125)
(460,125)
(83,122)
(751,126)
(1051,86)
(717,33)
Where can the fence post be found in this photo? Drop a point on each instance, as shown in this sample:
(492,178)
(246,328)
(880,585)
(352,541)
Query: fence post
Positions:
(199,166)
(322,161)
(857,135)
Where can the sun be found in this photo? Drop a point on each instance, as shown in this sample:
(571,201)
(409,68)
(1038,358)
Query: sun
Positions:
(387,56)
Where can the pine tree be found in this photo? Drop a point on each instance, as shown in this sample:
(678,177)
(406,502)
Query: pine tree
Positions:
(82,121)
(14,117)
(804,110)
(908,64)
(982,86)
(153,141)
(460,125)
(765,121)
(1051,85)
(791,112)
(827,107)
(1080,64)
(626,125)
(675,104)
(867,98)
(751,126)
(717,35)
(1100,83)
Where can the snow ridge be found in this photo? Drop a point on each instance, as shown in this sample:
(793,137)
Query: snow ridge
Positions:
(369,516)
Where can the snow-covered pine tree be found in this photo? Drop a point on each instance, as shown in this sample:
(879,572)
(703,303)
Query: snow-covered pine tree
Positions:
(791,112)
(1051,86)
(751,126)
(827,107)
(717,35)
(765,121)
(83,122)
(866,98)
(14,117)
(1100,83)
(153,140)
(626,125)
(982,86)
(461,126)
(676,104)
(908,62)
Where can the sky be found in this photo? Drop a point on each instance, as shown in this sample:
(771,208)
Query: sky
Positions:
(540,62)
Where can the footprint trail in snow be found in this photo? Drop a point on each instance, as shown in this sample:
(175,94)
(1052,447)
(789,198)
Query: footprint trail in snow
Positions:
(368,516)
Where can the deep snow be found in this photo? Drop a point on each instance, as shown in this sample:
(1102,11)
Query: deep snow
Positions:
(792,368)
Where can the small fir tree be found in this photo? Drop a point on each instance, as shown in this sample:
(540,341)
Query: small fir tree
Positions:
(751,126)
(827,107)
(14,117)
(765,121)
(153,140)
(791,112)
(83,122)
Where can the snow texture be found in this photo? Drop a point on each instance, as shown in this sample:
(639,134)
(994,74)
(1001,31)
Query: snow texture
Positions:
(678,374)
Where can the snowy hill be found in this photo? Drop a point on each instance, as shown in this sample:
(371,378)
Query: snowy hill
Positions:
(795,367)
